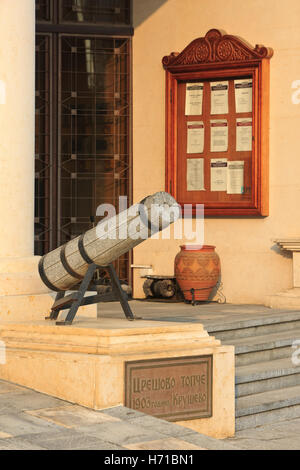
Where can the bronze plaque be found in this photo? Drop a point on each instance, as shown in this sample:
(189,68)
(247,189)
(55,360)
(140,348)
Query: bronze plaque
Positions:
(174,389)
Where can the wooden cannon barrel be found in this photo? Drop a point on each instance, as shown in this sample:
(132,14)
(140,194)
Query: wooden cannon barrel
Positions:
(64,267)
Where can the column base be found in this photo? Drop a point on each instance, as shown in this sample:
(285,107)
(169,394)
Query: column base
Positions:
(20,276)
(23,295)
(25,307)
(289,299)
(85,363)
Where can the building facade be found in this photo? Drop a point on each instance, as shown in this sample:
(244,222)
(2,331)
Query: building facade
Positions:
(87,80)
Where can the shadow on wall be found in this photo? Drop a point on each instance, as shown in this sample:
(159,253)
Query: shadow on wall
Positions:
(143,9)
(280,251)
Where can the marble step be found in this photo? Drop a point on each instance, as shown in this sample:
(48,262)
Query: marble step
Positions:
(264,348)
(266,376)
(267,407)
(282,321)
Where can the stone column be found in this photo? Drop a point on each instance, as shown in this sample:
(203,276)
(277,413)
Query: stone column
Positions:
(289,298)
(22,294)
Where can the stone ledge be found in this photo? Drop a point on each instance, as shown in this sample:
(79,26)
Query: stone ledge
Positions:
(290,244)
(105,336)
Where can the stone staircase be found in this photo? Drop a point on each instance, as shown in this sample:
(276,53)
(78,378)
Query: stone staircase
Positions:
(267,382)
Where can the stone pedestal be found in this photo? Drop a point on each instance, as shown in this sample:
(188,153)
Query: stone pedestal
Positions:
(85,363)
(289,298)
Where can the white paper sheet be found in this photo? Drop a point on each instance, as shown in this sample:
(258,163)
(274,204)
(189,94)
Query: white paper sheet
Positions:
(195,137)
(244,134)
(218,135)
(219,97)
(243,95)
(193,99)
(235,177)
(218,174)
(195,174)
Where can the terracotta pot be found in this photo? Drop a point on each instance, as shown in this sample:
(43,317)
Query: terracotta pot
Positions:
(197,268)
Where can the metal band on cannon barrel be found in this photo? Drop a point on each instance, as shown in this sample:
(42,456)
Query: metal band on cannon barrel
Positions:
(44,277)
(66,264)
(82,251)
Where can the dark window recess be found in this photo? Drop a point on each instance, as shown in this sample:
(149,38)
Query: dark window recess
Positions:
(83,116)
(94,159)
(91,11)
(43,157)
(43,10)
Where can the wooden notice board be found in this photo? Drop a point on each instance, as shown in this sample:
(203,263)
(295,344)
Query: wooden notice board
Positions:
(217,125)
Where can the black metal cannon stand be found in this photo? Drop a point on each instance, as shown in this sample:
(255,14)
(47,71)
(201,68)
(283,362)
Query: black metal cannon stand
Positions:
(76,299)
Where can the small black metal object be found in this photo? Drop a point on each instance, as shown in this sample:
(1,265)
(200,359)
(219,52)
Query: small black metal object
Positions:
(193,295)
(74,300)
(221,299)
(155,288)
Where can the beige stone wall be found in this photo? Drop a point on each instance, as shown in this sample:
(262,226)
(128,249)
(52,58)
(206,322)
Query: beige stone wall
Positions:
(251,267)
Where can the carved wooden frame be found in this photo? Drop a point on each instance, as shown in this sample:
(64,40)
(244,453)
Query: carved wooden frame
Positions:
(222,56)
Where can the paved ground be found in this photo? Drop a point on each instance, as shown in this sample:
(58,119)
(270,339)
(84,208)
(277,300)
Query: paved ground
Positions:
(284,435)
(33,421)
(209,314)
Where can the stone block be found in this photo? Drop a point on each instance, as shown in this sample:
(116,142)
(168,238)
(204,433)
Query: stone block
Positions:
(84,363)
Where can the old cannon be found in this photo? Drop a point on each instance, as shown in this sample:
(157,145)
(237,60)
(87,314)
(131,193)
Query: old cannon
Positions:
(74,264)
